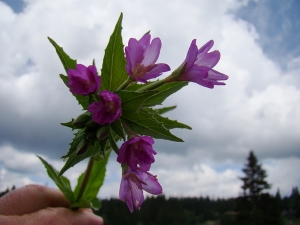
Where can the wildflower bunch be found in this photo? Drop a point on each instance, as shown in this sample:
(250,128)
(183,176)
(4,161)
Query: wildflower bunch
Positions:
(120,114)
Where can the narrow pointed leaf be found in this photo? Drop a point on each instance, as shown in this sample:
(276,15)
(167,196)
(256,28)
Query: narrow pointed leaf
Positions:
(62,182)
(113,72)
(78,136)
(67,62)
(132,100)
(69,124)
(164,91)
(165,109)
(144,123)
(169,124)
(74,158)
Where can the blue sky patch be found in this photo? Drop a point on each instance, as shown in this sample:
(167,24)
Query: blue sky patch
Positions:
(16,5)
(278,25)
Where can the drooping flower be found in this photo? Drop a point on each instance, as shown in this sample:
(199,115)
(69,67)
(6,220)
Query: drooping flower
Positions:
(199,64)
(137,151)
(107,110)
(132,185)
(141,57)
(84,80)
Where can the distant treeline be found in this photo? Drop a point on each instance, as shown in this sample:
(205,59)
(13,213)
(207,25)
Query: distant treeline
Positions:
(189,211)
(160,210)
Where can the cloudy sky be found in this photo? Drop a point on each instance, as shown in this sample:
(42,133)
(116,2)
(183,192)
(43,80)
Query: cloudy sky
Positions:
(258,109)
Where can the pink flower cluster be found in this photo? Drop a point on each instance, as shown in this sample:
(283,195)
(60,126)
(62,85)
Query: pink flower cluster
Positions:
(141,56)
(136,154)
(84,81)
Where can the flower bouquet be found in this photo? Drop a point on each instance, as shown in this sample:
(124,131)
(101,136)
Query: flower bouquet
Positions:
(119,105)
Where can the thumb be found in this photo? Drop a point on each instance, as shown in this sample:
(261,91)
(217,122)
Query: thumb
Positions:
(54,216)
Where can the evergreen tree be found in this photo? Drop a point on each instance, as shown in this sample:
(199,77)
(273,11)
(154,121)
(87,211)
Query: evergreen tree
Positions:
(254,181)
(256,207)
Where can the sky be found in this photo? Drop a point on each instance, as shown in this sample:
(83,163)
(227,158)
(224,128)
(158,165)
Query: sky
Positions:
(258,109)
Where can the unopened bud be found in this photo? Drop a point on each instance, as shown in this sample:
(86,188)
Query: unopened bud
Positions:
(82,119)
(103,131)
(91,123)
(82,147)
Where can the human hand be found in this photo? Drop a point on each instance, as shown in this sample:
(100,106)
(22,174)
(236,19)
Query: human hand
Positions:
(36,205)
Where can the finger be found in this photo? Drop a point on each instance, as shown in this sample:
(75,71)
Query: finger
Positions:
(54,216)
(31,198)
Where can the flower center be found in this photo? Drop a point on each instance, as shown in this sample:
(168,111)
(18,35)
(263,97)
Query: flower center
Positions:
(139,70)
(111,107)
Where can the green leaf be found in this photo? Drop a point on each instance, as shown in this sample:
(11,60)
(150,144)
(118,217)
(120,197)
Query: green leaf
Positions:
(143,122)
(67,62)
(113,143)
(166,109)
(78,136)
(167,123)
(113,72)
(96,204)
(164,91)
(95,180)
(118,128)
(69,124)
(82,100)
(92,151)
(62,182)
(135,86)
(82,203)
(132,100)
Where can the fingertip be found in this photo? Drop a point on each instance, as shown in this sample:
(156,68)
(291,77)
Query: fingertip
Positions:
(92,218)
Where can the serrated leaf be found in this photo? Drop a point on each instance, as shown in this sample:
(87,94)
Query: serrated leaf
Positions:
(67,62)
(169,124)
(113,72)
(95,180)
(132,100)
(118,128)
(73,159)
(144,123)
(69,124)
(82,100)
(62,182)
(164,91)
(78,136)
(165,109)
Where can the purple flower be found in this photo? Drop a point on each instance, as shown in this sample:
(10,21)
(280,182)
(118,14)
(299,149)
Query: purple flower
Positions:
(132,185)
(137,150)
(107,110)
(84,80)
(199,64)
(141,57)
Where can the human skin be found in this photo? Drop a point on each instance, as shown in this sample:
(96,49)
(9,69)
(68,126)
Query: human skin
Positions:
(36,205)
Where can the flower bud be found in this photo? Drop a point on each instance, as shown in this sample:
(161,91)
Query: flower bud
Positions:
(103,131)
(82,119)
(82,147)
(90,123)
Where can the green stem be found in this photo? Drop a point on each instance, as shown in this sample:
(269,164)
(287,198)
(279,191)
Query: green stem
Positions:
(152,86)
(125,84)
(85,179)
